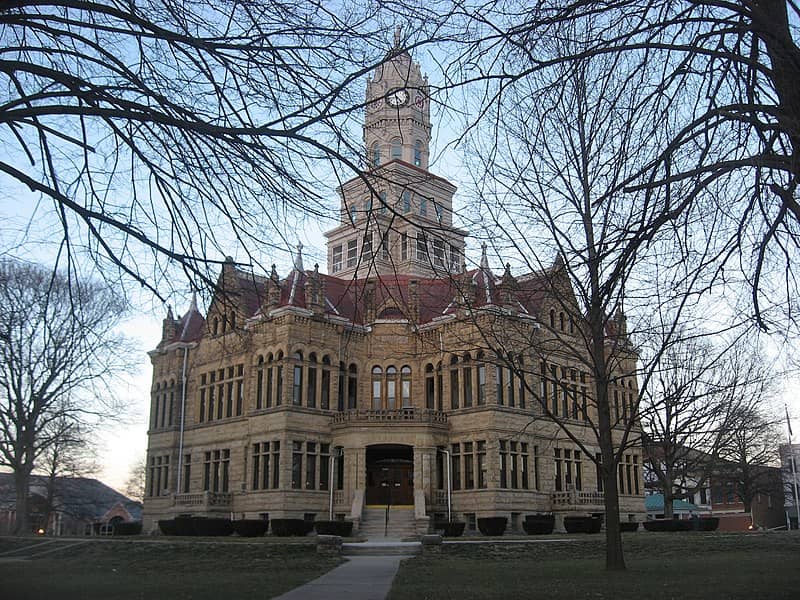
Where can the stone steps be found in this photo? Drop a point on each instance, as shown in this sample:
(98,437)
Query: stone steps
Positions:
(402,523)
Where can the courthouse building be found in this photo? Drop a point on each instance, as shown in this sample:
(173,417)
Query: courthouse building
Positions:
(400,377)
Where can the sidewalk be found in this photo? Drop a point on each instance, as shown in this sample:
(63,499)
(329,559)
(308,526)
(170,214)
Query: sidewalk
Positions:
(360,578)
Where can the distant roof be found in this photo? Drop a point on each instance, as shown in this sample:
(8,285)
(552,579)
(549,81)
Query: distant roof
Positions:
(654,503)
(80,497)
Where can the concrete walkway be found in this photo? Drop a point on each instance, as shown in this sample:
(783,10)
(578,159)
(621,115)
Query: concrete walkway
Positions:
(360,578)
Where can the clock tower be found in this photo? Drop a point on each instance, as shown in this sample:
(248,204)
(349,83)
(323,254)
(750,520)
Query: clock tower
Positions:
(397,219)
(397,125)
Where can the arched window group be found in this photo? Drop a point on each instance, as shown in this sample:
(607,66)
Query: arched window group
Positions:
(467,381)
(510,381)
(434,385)
(222,324)
(390,389)
(269,380)
(563,321)
(310,380)
(163,405)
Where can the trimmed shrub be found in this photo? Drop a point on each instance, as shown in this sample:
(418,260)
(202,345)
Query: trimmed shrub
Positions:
(628,526)
(308,527)
(251,527)
(212,527)
(127,528)
(184,525)
(709,523)
(340,528)
(669,525)
(290,527)
(453,528)
(492,525)
(167,527)
(539,524)
(583,524)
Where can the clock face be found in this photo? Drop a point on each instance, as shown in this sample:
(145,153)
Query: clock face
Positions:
(397,97)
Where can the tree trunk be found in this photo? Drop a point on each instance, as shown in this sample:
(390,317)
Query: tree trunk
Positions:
(22,478)
(669,512)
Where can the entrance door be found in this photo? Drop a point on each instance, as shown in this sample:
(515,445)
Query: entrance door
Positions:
(390,475)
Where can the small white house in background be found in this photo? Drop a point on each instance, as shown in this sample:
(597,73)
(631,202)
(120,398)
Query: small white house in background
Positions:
(654,505)
(80,506)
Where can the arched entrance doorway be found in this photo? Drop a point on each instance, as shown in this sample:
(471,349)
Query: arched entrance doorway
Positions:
(390,475)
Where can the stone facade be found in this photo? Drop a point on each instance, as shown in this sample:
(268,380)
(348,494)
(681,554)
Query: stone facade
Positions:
(394,373)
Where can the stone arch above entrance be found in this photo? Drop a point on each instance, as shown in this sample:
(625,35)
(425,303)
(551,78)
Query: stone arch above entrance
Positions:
(390,475)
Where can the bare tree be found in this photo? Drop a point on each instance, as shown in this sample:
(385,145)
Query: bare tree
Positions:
(135,484)
(727,70)
(561,147)
(179,128)
(59,352)
(696,412)
(748,451)
(68,452)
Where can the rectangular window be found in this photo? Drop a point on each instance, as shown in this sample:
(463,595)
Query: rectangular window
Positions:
(269,387)
(438,253)
(325,391)
(311,466)
(297,465)
(559,482)
(456,467)
(297,385)
(423,207)
(455,259)
(422,246)
(311,388)
(385,245)
(523,466)
(187,473)
(336,266)
(514,464)
(481,464)
(510,386)
(352,253)
(366,248)
(404,246)
(481,384)
(467,386)
(469,472)
(498,378)
(276,471)
(503,464)
(536,468)
(278,385)
(406,202)
(454,388)
(324,466)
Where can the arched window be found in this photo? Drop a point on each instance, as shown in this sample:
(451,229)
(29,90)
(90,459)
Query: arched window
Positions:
(405,386)
(552,319)
(260,383)
(454,391)
(376,154)
(467,380)
(521,396)
(233,321)
(311,383)
(352,386)
(481,368)
(279,379)
(297,379)
(341,388)
(571,324)
(377,384)
(510,395)
(561,321)
(325,384)
(430,388)
(156,404)
(418,153)
(391,388)
(439,387)
(397,149)
(215,326)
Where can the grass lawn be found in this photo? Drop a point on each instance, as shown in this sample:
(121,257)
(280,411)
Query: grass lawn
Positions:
(112,569)
(680,566)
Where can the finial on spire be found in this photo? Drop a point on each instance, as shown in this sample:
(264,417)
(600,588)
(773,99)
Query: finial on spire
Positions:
(298,259)
(484,259)
(193,305)
(170,316)
(397,37)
